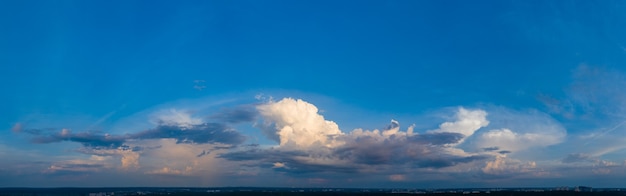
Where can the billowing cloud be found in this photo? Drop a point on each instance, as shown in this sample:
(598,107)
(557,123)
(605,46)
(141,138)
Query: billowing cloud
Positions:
(182,159)
(298,123)
(502,165)
(310,143)
(129,157)
(307,144)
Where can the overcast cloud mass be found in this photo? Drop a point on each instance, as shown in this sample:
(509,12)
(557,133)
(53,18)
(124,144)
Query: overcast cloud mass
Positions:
(416,94)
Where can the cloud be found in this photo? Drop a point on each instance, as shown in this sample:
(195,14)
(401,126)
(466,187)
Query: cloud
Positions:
(310,143)
(129,158)
(174,158)
(73,168)
(594,165)
(173,124)
(502,165)
(298,123)
(90,139)
(514,131)
(307,144)
(467,122)
(236,115)
(204,152)
(278,165)
(173,117)
(76,166)
(294,161)
(504,152)
(170,171)
(493,148)
(200,133)
(422,150)
(397,177)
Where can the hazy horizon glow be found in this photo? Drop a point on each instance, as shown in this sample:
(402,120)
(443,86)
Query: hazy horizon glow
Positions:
(413,94)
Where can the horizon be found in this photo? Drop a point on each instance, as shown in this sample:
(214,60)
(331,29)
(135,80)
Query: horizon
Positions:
(357,188)
(312,93)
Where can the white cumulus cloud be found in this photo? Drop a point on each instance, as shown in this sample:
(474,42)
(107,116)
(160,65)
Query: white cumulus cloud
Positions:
(298,123)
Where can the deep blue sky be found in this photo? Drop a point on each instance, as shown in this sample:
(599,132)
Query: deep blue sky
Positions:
(89,85)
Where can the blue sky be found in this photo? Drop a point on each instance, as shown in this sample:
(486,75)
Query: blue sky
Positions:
(312,93)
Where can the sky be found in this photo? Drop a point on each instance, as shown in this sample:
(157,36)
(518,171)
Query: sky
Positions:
(411,94)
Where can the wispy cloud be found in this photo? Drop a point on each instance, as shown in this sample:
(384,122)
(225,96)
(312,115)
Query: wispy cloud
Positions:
(518,130)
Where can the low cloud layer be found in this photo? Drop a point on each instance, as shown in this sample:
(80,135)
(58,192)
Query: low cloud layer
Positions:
(176,125)
(175,128)
(307,144)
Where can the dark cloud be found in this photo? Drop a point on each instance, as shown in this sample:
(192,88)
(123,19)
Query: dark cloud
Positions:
(295,161)
(489,149)
(203,133)
(504,152)
(367,150)
(223,147)
(436,138)
(203,153)
(88,139)
(423,150)
(236,115)
(136,148)
(362,152)
(198,134)
(449,160)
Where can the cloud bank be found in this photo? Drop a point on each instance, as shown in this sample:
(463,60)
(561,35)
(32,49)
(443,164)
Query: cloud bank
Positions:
(307,145)
(307,142)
